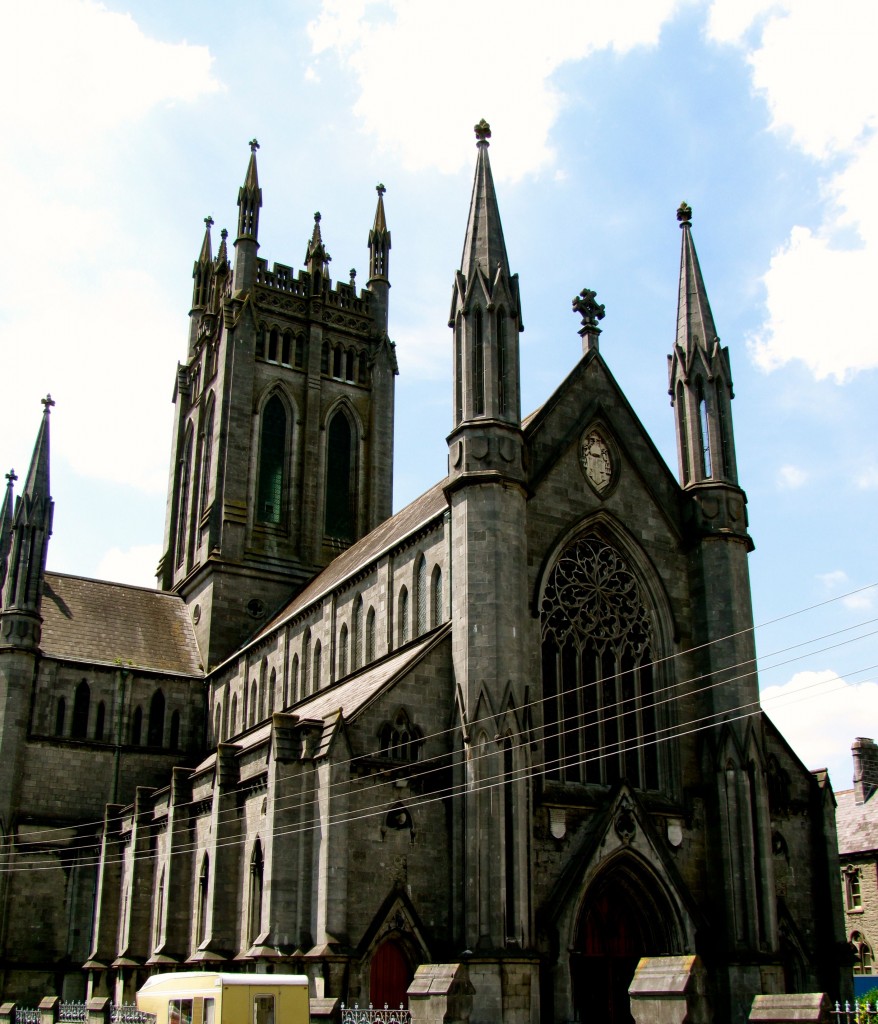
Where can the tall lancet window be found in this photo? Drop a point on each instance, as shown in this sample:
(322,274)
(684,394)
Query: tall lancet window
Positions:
(183,506)
(458,370)
(703,428)
(207,459)
(478,365)
(340,469)
(272,448)
(722,416)
(254,923)
(682,429)
(502,365)
(598,687)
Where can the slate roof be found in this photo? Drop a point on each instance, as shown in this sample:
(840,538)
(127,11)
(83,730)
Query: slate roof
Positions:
(385,536)
(856,824)
(111,623)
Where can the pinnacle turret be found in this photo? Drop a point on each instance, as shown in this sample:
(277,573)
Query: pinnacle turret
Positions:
(6,527)
(379,258)
(202,270)
(316,257)
(485,309)
(247,244)
(29,541)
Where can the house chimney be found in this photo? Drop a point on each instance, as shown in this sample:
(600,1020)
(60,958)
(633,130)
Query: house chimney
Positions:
(865,754)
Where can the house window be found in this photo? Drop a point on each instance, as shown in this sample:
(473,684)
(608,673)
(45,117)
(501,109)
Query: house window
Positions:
(597,674)
(853,894)
(862,951)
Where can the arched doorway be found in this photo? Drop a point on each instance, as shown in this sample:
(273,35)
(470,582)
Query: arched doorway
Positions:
(621,920)
(389,976)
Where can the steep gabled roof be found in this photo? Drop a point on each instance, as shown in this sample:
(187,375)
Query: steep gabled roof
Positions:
(856,824)
(113,624)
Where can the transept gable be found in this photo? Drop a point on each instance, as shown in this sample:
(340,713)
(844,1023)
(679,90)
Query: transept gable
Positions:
(589,399)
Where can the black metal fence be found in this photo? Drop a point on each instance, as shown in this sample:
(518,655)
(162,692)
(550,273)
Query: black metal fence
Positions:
(354,1015)
(858,1012)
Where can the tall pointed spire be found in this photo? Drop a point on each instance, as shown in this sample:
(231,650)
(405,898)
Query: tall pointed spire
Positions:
(316,257)
(26,565)
(246,244)
(695,324)
(483,244)
(379,257)
(700,378)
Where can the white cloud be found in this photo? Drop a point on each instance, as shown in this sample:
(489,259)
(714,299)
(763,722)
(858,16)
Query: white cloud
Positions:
(833,580)
(820,83)
(82,310)
(790,478)
(867,480)
(134,565)
(820,715)
(457,67)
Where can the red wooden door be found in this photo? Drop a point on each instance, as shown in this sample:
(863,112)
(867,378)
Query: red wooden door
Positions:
(389,977)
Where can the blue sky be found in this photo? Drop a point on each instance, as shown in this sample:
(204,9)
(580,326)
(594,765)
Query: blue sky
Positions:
(130,124)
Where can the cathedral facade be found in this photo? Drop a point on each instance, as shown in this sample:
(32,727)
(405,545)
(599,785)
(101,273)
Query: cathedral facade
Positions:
(515,725)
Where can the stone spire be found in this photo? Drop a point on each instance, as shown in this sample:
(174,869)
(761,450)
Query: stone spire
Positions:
(695,326)
(379,257)
(700,378)
(485,309)
(316,257)
(246,244)
(483,245)
(6,527)
(31,529)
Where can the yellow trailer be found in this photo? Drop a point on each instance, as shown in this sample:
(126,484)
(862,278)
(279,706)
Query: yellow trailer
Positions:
(211,997)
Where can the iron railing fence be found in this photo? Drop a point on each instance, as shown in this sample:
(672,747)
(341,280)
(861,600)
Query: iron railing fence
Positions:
(77,1013)
(354,1015)
(858,1012)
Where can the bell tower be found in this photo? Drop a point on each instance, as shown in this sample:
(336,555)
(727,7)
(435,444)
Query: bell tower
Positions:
(283,432)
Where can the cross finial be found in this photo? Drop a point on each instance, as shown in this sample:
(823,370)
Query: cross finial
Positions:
(47,402)
(684,214)
(353,273)
(208,222)
(380,189)
(254,145)
(317,217)
(482,130)
(588,309)
(224,234)
(11,477)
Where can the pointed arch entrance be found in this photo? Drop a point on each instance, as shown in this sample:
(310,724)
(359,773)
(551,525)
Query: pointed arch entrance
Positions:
(390,975)
(624,917)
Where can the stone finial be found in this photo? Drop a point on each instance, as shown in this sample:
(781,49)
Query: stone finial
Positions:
(224,234)
(588,309)
(353,273)
(208,221)
(11,476)
(254,145)
(317,217)
(47,402)
(380,189)
(684,214)
(482,130)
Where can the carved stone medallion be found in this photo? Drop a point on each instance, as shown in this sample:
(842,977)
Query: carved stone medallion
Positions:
(596,460)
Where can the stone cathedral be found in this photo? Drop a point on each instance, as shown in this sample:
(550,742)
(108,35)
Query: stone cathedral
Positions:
(514,726)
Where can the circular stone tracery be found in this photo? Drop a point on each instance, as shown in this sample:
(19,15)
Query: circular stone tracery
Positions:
(592,594)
